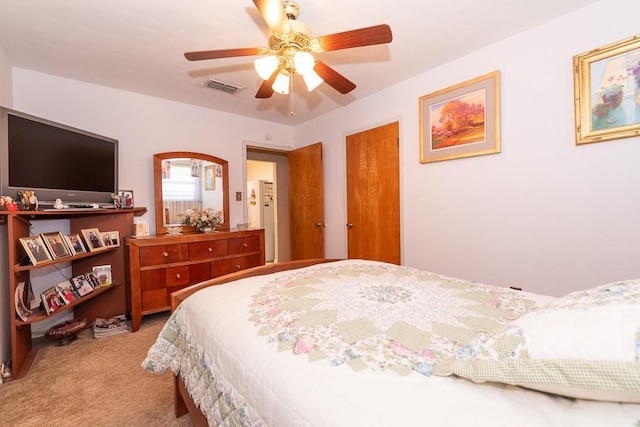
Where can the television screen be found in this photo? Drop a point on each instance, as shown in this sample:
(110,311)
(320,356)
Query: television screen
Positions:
(57,161)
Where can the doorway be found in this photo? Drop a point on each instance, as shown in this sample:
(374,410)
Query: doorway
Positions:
(271,166)
(299,194)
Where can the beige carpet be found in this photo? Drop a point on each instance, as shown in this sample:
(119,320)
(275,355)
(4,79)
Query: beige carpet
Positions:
(93,382)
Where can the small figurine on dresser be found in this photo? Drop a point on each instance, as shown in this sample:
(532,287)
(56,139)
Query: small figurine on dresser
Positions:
(29,200)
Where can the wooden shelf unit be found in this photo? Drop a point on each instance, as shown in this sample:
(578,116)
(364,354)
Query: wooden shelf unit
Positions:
(100,303)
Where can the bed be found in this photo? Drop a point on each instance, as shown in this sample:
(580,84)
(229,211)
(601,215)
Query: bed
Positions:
(365,343)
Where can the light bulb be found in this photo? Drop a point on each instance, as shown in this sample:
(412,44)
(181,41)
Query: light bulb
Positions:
(303,62)
(312,80)
(265,66)
(281,85)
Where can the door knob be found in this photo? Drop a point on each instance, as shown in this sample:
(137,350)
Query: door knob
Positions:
(349,225)
(318,224)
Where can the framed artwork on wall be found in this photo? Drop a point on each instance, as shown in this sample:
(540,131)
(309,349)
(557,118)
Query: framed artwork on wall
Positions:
(461,120)
(210,177)
(607,92)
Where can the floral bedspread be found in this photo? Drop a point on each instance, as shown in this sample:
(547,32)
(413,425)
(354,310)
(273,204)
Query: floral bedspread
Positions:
(379,317)
(365,317)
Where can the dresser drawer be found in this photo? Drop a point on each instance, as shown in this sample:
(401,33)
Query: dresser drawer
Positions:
(220,268)
(163,254)
(208,249)
(242,245)
(155,300)
(186,275)
(153,279)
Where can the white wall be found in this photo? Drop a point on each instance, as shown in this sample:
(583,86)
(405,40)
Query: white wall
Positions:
(6,100)
(6,91)
(543,214)
(143,126)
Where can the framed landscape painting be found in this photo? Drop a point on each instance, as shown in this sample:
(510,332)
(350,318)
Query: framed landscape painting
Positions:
(607,92)
(461,120)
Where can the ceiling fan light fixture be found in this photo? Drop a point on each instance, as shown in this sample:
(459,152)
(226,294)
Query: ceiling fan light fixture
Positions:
(303,62)
(281,84)
(265,66)
(312,80)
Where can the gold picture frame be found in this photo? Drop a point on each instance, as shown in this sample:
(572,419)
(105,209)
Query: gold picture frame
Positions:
(110,238)
(92,239)
(607,92)
(462,120)
(56,245)
(36,249)
(210,177)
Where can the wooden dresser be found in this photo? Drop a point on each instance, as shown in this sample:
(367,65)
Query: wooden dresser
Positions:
(160,265)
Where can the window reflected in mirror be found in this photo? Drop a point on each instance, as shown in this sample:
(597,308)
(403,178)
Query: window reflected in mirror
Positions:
(189,184)
(186,180)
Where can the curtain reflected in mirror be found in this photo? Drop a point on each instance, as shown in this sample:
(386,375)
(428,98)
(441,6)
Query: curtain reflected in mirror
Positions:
(186,180)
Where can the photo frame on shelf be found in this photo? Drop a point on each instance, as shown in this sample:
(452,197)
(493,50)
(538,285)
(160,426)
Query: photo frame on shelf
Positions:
(125,199)
(56,244)
(92,239)
(461,120)
(82,284)
(74,241)
(103,274)
(110,238)
(52,300)
(210,177)
(607,92)
(36,249)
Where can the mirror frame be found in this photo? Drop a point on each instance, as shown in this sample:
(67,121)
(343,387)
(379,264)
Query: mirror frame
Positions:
(157,182)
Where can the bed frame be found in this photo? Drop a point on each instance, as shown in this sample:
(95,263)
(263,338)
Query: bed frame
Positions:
(183,403)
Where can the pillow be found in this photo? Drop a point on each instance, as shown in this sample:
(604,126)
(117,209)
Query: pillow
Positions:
(584,345)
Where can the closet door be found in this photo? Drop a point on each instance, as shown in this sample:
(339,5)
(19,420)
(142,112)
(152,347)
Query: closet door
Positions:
(373,194)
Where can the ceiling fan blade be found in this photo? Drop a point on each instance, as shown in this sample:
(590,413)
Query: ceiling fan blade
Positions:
(266,89)
(273,14)
(333,78)
(368,36)
(222,53)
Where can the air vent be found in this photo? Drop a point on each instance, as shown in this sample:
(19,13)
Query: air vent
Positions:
(225,87)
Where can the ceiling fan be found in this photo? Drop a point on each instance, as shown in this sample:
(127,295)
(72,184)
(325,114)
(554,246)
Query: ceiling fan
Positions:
(290,47)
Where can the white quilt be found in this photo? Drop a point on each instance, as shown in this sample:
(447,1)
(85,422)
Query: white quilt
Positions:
(354,343)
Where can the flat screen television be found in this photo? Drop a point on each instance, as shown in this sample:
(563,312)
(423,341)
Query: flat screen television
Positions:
(56,161)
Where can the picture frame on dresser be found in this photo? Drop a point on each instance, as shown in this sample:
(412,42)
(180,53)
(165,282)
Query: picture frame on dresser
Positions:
(92,239)
(35,249)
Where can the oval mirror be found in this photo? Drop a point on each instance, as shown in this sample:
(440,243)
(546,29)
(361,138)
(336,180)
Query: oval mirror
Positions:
(185,180)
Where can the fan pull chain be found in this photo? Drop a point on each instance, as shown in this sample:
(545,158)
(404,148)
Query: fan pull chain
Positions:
(291,112)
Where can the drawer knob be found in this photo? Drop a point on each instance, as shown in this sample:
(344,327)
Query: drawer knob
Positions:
(238,266)
(165,254)
(245,245)
(210,250)
(177,276)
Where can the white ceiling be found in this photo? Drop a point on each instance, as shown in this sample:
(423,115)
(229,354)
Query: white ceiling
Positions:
(138,45)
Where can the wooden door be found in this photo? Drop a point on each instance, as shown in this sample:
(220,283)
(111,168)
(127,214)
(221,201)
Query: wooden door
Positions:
(306,202)
(373,194)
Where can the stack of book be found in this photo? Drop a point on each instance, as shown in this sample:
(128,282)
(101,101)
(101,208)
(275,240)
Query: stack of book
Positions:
(111,326)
